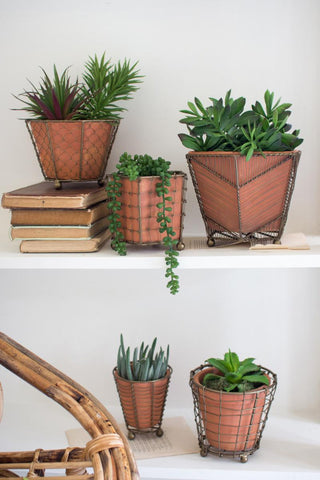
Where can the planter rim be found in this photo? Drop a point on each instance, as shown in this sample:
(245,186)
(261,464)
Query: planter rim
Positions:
(194,379)
(116,374)
(46,120)
(221,153)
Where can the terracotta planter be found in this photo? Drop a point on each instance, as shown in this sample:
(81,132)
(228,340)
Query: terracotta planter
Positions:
(138,214)
(72,150)
(143,402)
(230,422)
(243,201)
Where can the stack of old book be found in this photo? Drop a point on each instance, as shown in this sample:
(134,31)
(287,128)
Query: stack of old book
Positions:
(47,220)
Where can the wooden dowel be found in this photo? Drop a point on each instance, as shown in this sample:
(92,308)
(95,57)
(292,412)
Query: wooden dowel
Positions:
(46,465)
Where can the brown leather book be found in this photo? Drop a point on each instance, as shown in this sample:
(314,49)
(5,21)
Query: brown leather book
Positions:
(59,216)
(44,195)
(63,232)
(65,246)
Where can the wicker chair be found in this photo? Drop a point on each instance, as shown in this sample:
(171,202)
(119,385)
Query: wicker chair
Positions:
(108,454)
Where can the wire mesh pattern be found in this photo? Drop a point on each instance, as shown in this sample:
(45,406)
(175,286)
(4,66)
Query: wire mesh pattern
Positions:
(230,423)
(138,214)
(108,453)
(72,150)
(143,403)
(243,201)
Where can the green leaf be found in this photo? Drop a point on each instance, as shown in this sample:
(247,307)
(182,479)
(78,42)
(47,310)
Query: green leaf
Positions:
(257,379)
(219,364)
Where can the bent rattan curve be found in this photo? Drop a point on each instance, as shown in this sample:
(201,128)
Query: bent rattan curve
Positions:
(108,453)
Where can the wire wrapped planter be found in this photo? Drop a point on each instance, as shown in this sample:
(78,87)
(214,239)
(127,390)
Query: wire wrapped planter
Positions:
(243,201)
(73,150)
(230,423)
(108,454)
(143,403)
(138,214)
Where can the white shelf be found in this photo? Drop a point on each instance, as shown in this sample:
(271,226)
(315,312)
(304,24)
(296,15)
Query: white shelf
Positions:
(238,256)
(289,448)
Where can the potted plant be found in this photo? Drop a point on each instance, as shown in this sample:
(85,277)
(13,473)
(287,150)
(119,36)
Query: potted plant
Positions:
(243,166)
(232,399)
(142,382)
(146,208)
(75,123)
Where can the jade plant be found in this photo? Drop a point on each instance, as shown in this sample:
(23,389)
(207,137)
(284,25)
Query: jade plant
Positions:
(95,97)
(225,126)
(234,375)
(134,167)
(145,364)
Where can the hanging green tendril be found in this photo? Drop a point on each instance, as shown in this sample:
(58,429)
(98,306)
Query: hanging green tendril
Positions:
(134,167)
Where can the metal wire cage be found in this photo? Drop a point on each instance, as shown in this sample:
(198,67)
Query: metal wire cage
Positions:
(143,403)
(72,150)
(138,213)
(243,201)
(230,423)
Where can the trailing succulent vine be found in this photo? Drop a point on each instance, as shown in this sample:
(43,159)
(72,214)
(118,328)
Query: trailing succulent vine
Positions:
(134,167)
(145,364)
(235,375)
(224,126)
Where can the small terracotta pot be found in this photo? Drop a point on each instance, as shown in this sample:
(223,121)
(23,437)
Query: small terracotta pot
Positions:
(138,214)
(233,422)
(72,150)
(240,198)
(143,402)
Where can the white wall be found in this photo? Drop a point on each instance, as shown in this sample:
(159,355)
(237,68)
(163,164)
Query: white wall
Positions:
(185,48)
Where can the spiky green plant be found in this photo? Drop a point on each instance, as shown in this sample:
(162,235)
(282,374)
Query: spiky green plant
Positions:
(105,85)
(236,375)
(58,99)
(145,364)
(225,126)
(97,97)
(133,167)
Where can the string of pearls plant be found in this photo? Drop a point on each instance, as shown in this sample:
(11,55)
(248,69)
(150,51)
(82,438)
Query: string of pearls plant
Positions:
(134,167)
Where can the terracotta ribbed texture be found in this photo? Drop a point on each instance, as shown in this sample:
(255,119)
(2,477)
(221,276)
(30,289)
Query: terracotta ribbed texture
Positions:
(138,214)
(72,150)
(142,402)
(231,420)
(242,197)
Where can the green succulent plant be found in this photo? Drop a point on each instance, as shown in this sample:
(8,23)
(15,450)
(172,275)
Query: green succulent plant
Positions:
(134,167)
(96,97)
(144,365)
(58,99)
(225,126)
(236,375)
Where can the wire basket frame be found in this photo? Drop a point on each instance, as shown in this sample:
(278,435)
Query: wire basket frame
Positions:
(138,214)
(73,150)
(229,423)
(143,403)
(243,201)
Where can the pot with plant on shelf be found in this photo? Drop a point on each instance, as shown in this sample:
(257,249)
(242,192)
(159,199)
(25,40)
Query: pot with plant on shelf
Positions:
(243,166)
(142,383)
(146,208)
(232,399)
(75,123)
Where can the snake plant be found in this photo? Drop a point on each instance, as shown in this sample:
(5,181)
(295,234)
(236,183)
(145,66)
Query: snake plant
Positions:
(145,364)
